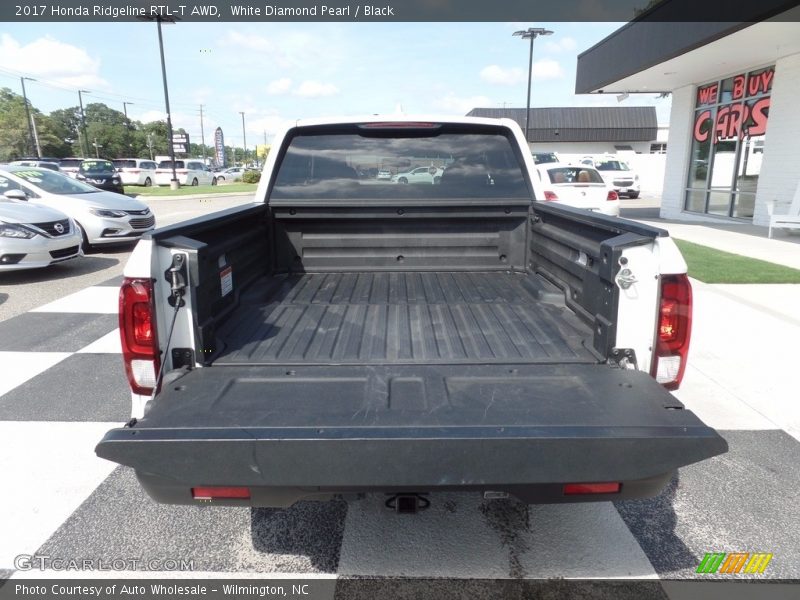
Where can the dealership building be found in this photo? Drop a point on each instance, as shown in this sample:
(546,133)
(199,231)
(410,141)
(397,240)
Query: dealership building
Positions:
(734,130)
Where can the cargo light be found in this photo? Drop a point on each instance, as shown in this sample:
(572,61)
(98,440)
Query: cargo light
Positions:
(674,331)
(577,489)
(137,329)
(550,196)
(210,493)
(612,195)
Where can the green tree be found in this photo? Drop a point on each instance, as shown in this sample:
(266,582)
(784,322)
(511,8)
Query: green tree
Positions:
(65,123)
(14,133)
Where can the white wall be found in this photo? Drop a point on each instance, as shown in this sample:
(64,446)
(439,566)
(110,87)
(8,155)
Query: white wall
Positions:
(780,171)
(680,142)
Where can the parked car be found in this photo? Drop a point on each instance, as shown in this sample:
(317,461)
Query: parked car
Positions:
(420,175)
(188,172)
(101,217)
(384,175)
(616,173)
(540,158)
(580,186)
(136,171)
(231,174)
(33,236)
(36,162)
(70,165)
(101,174)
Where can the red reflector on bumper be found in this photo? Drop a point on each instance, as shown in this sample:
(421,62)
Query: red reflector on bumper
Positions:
(572,489)
(208,493)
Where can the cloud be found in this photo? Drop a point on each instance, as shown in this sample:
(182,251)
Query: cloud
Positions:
(546,69)
(565,44)
(461,106)
(500,76)
(279,86)
(51,60)
(315,89)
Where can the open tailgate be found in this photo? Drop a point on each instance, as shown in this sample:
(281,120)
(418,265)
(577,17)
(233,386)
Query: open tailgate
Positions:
(411,426)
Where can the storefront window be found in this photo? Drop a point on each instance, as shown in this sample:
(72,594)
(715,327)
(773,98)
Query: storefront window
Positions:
(730,122)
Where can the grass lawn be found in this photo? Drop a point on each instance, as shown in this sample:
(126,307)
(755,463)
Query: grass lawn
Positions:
(188,190)
(714,266)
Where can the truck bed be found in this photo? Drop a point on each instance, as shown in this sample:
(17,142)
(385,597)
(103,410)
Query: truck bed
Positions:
(397,317)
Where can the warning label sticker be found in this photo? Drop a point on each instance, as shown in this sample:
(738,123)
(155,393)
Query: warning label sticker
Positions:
(226,281)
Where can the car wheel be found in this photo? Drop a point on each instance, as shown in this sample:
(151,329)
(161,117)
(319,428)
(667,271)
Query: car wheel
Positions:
(85,245)
(633,195)
(402,180)
(214,181)
(220,178)
(148,182)
(195,182)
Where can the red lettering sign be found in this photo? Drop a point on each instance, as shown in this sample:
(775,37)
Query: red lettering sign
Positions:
(708,94)
(759,115)
(738,87)
(700,132)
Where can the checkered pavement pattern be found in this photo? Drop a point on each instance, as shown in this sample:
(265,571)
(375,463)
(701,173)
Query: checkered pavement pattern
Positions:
(62,387)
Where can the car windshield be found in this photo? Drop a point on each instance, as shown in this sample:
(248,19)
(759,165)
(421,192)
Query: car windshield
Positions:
(544,157)
(125,164)
(459,163)
(52,182)
(97,166)
(611,165)
(568,175)
(70,162)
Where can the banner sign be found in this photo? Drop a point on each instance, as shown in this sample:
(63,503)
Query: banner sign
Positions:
(219,147)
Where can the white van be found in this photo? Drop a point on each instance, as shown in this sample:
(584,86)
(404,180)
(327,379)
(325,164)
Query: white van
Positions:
(188,172)
(136,171)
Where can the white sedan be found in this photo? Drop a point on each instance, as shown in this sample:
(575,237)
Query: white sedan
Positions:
(580,186)
(100,217)
(33,236)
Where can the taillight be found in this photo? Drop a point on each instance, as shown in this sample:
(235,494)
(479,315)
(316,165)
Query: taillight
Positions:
(137,329)
(576,489)
(209,493)
(550,196)
(674,331)
(612,195)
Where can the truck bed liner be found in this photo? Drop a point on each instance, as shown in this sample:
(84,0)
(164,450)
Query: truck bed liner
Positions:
(403,317)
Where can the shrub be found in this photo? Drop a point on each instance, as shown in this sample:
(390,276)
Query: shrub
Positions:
(251,177)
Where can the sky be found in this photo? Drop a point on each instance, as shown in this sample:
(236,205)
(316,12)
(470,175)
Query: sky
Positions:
(278,72)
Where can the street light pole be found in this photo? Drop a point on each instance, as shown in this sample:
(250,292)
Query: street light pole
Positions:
(125,109)
(85,150)
(244,138)
(530,34)
(33,145)
(202,134)
(174,182)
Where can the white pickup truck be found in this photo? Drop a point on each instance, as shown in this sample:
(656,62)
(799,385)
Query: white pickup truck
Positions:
(346,334)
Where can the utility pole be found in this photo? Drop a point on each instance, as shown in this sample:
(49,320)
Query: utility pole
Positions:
(125,109)
(244,138)
(173,184)
(97,148)
(33,146)
(150,144)
(85,150)
(202,134)
(36,138)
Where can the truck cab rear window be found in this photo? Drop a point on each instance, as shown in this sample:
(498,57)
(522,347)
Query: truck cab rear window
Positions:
(447,165)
